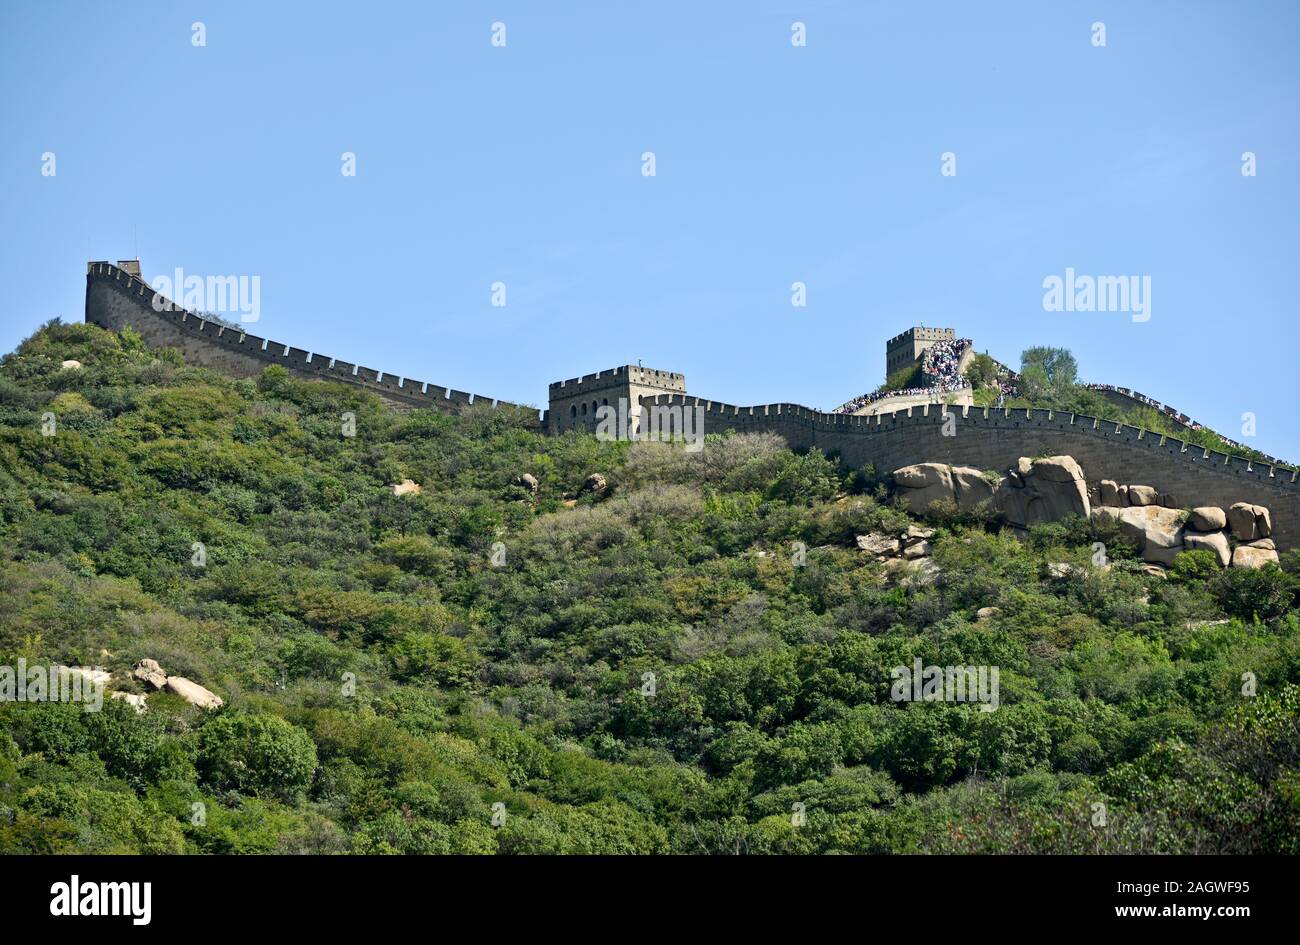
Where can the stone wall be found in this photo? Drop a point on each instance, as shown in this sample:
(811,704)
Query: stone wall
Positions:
(116,298)
(992,439)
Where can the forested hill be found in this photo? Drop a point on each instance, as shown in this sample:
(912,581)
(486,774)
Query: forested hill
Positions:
(695,659)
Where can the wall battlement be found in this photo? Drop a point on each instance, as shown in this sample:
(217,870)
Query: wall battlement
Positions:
(994,439)
(617,377)
(116,298)
(985,437)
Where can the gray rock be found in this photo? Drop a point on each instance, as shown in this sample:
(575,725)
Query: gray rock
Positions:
(880,545)
(923,483)
(1108,493)
(1241,519)
(1247,557)
(529,482)
(1142,495)
(596,483)
(150,673)
(1053,488)
(1207,518)
(193,693)
(1216,542)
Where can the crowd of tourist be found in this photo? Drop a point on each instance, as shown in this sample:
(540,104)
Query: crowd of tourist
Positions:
(940,370)
(1173,414)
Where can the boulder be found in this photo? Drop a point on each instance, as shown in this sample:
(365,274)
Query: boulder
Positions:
(1263,521)
(71,365)
(1142,495)
(985,613)
(1108,493)
(919,485)
(596,483)
(529,482)
(918,550)
(1207,518)
(1265,543)
(131,699)
(193,693)
(1241,519)
(916,533)
(149,672)
(877,544)
(1052,488)
(1247,557)
(1168,501)
(1157,532)
(971,487)
(407,487)
(1216,542)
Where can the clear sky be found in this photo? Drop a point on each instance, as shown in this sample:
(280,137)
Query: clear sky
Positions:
(774,164)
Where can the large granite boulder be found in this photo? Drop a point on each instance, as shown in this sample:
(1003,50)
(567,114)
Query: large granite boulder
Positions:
(1207,518)
(1157,532)
(1249,522)
(1246,556)
(919,485)
(1043,490)
(149,672)
(193,693)
(877,544)
(971,487)
(1108,493)
(1142,495)
(1215,542)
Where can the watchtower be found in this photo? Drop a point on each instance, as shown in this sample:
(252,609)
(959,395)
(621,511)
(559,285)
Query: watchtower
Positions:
(902,350)
(574,403)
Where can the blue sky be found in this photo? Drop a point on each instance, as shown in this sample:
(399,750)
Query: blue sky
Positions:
(775,164)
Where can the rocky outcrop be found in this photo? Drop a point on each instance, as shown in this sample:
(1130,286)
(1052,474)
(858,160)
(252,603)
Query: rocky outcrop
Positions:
(1249,522)
(131,699)
(529,482)
(1207,518)
(1142,495)
(193,693)
(1051,488)
(920,485)
(1215,542)
(150,673)
(407,487)
(595,483)
(879,545)
(1248,556)
(1043,490)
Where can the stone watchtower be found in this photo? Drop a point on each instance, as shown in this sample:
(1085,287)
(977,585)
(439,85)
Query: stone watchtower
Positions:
(902,350)
(574,403)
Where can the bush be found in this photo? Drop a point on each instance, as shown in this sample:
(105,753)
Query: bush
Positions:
(256,754)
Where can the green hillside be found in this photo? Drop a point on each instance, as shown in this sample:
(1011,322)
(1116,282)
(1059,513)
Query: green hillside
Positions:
(651,669)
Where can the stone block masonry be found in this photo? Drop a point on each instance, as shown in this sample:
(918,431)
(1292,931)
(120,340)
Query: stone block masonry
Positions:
(992,439)
(984,438)
(116,298)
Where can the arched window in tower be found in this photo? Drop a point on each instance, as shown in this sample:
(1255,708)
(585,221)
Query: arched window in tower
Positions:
(573,411)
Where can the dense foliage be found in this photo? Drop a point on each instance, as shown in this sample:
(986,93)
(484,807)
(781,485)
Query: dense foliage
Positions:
(658,668)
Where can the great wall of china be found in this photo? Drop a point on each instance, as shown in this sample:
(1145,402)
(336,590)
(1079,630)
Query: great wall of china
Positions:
(903,435)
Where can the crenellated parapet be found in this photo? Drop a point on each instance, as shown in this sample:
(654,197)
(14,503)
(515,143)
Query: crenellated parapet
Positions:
(994,439)
(116,298)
